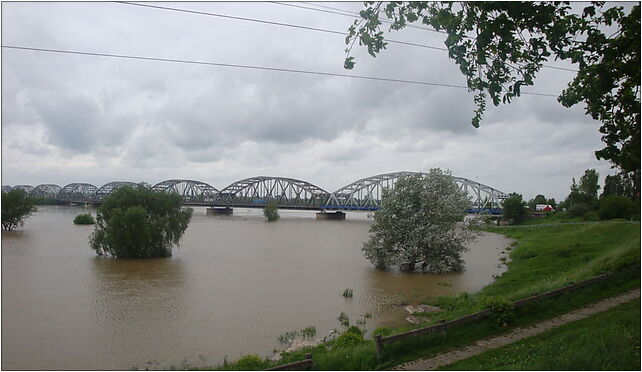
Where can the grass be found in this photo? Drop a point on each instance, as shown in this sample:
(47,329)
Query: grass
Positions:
(543,259)
(605,341)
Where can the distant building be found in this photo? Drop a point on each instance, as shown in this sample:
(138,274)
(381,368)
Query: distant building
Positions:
(544,208)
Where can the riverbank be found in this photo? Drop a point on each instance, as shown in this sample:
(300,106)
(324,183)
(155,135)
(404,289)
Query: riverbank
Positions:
(543,258)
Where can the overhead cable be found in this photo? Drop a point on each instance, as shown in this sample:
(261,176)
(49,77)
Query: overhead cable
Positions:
(252,67)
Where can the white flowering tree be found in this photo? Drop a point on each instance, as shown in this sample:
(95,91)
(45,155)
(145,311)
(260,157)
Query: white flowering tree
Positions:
(416,227)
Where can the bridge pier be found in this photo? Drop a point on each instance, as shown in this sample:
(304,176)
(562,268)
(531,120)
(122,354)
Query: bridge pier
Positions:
(225,211)
(338,215)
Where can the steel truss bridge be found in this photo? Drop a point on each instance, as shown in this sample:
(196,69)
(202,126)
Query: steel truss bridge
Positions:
(256,192)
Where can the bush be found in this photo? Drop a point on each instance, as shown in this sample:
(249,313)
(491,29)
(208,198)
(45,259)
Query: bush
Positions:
(347,293)
(84,219)
(137,222)
(250,362)
(501,310)
(17,206)
(271,211)
(614,206)
(349,338)
(579,209)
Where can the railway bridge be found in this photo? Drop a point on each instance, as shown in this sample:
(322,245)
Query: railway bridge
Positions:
(364,194)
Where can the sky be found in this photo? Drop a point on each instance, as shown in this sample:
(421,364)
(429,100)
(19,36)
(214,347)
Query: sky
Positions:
(71,118)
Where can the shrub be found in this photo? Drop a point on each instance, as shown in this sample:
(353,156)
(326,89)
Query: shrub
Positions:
(17,206)
(343,319)
(271,211)
(614,206)
(250,362)
(501,310)
(137,222)
(84,219)
(349,338)
(579,209)
(347,292)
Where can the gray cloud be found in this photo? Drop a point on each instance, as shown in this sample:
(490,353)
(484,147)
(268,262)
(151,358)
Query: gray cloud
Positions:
(73,118)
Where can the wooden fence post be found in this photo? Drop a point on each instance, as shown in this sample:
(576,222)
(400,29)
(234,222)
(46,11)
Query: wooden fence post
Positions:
(379,343)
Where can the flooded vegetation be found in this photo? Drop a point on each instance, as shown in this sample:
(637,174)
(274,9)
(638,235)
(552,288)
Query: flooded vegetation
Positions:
(236,284)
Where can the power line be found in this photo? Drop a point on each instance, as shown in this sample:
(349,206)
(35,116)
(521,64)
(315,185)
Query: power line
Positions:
(342,33)
(345,13)
(264,68)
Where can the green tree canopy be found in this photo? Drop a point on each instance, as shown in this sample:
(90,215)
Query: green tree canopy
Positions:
(271,211)
(618,184)
(501,46)
(17,206)
(514,208)
(137,222)
(415,228)
(589,183)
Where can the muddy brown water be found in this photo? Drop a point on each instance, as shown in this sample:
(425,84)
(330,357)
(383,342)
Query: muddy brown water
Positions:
(235,284)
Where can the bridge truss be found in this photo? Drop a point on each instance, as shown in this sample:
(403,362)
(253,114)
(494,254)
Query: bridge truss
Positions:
(259,191)
(189,190)
(367,193)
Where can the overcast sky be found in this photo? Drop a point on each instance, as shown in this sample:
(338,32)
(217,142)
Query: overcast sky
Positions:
(69,118)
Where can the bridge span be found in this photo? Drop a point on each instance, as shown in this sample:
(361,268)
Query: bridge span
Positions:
(256,192)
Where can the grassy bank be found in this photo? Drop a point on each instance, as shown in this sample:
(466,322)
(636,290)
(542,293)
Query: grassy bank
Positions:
(605,341)
(543,258)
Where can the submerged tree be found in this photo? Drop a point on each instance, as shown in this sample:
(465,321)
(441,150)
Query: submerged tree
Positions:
(415,228)
(17,206)
(137,222)
(271,211)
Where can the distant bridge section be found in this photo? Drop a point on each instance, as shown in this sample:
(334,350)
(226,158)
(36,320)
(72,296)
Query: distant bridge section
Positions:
(191,191)
(259,191)
(367,193)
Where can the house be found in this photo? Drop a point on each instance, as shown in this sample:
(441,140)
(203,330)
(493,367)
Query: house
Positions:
(544,208)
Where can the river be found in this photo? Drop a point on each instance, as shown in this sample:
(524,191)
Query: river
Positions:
(235,284)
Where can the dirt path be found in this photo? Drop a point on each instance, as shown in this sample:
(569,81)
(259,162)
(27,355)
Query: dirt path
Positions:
(516,335)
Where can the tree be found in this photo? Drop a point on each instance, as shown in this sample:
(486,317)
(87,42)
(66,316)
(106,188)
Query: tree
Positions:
(137,222)
(501,46)
(415,228)
(514,208)
(583,193)
(588,183)
(17,206)
(271,211)
(619,185)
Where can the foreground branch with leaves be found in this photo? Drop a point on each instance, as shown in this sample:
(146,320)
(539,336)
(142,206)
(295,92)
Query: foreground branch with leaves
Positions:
(501,46)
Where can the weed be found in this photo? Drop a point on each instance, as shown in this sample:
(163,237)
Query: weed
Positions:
(309,332)
(288,337)
(343,319)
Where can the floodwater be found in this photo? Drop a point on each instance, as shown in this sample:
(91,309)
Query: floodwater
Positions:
(235,284)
